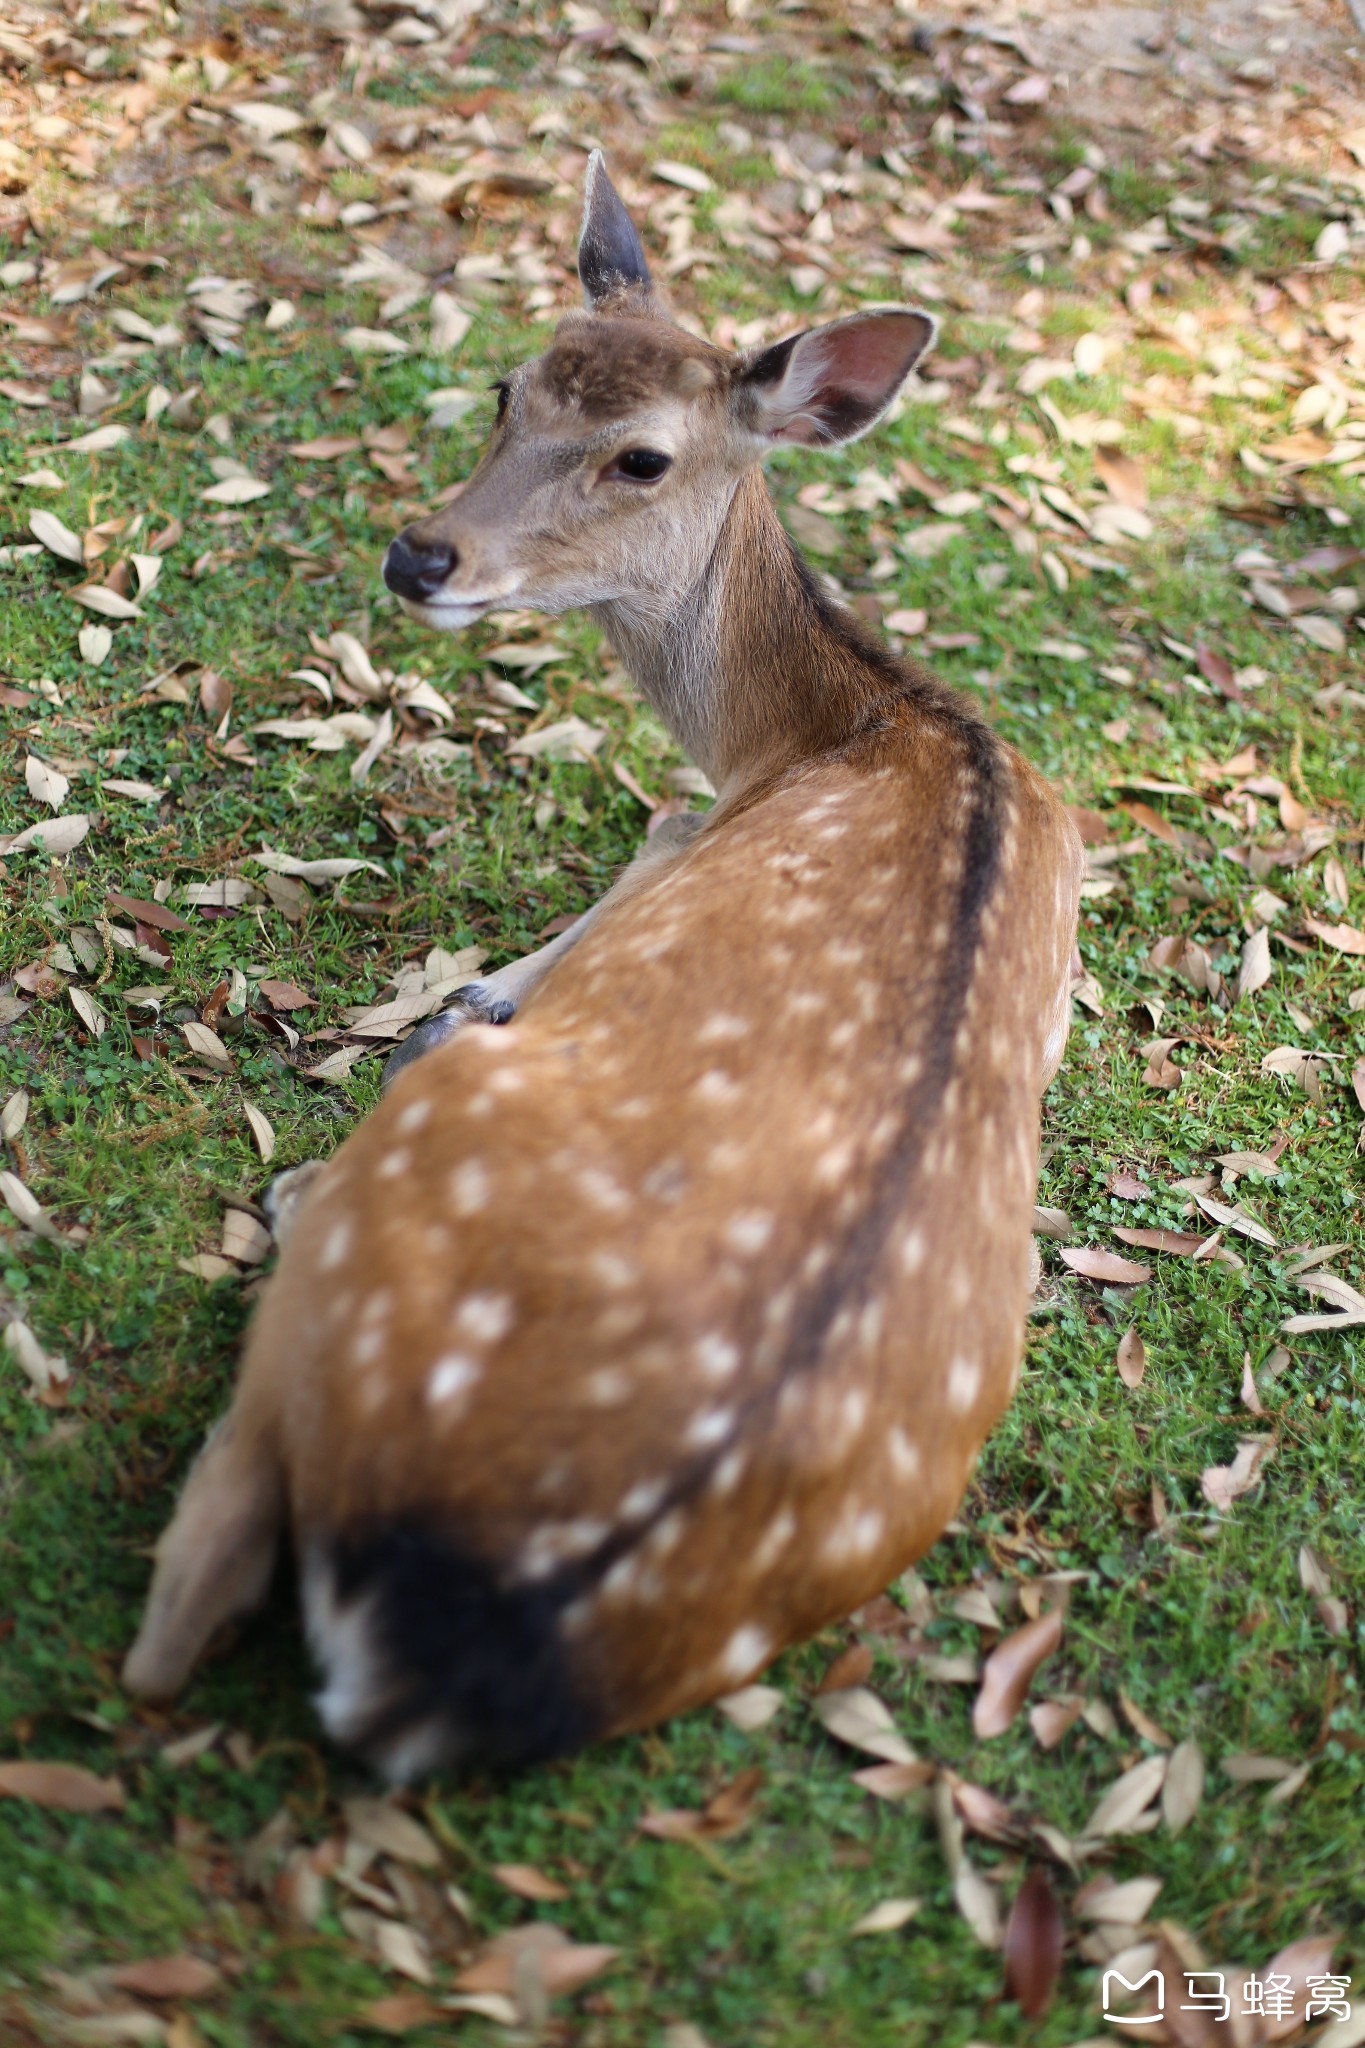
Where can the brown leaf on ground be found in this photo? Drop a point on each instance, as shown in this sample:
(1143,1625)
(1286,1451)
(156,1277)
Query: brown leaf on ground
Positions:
(1182,1242)
(851,1667)
(1122,477)
(562,1965)
(1343,938)
(1143,1724)
(864,1722)
(1132,1358)
(1224,1484)
(287,995)
(1183,1788)
(1034,1943)
(326,448)
(177,1976)
(526,1882)
(981,1812)
(1050,1720)
(401,2013)
(1128,1799)
(725,1813)
(1106,1267)
(894,1781)
(144,912)
(1009,1672)
(387,1829)
(62,1788)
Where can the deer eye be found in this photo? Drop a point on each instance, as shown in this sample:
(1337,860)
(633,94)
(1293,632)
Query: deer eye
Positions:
(641,465)
(503,390)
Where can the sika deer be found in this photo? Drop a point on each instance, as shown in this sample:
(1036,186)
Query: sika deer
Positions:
(623,1346)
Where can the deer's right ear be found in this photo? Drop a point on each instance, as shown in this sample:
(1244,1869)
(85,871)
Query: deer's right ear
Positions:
(830,384)
(611,256)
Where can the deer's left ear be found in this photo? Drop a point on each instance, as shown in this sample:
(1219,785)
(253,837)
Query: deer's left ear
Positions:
(611,256)
(832,383)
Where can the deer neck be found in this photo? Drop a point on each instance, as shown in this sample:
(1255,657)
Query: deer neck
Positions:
(752,668)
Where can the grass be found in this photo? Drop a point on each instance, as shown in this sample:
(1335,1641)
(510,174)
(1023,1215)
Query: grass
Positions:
(1197,1618)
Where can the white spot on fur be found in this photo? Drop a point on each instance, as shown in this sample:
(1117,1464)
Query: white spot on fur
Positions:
(833,1165)
(749,1233)
(774,1540)
(612,1270)
(484,1317)
(604,1193)
(964,1384)
(413,1117)
(728,1473)
(394,1163)
(853,1412)
(902,1452)
(716,1356)
(913,1250)
(716,1086)
(721,1027)
(666,1535)
(747,1650)
(643,1498)
(469,1187)
(366,1346)
(335,1246)
(451,1378)
(608,1387)
(710,1427)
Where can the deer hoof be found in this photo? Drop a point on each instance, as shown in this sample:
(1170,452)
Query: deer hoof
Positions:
(475,1003)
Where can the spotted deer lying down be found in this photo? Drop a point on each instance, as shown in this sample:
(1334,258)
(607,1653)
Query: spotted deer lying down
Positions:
(632,1341)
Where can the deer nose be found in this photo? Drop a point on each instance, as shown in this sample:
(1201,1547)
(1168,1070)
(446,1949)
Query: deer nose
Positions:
(417,569)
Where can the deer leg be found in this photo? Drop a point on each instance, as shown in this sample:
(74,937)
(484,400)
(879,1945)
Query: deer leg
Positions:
(496,997)
(215,1560)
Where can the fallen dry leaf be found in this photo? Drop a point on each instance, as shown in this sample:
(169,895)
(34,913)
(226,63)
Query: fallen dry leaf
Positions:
(177,1976)
(1116,1904)
(400,2013)
(146,912)
(44,1369)
(976,1901)
(388,1830)
(1142,1724)
(262,1130)
(286,995)
(850,1668)
(524,1881)
(1051,1719)
(1128,1799)
(1106,1267)
(1034,1943)
(752,1707)
(560,1964)
(1009,1671)
(1122,477)
(886,1916)
(894,1781)
(861,1720)
(1343,938)
(1132,1358)
(1256,967)
(62,1788)
(1183,1787)
(725,1813)
(1223,1484)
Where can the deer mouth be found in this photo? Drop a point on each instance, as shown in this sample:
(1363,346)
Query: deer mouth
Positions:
(447,614)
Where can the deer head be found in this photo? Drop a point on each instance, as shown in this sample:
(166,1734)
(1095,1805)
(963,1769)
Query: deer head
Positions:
(615,455)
